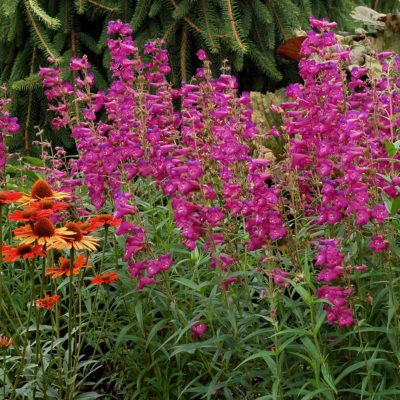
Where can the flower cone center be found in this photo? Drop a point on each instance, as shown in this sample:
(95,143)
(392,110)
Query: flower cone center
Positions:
(29,213)
(105,217)
(23,249)
(44,228)
(46,204)
(65,264)
(41,189)
(71,226)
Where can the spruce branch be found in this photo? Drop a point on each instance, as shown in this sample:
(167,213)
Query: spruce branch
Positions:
(30,82)
(139,14)
(29,111)
(229,6)
(9,7)
(183,55)
(36,9)
(40,34)
(80,6)
(106,7)
(213,44)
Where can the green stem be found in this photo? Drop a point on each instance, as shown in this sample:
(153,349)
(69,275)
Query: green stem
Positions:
(4,374)
(115,252)
(37,340)
(70,386)
(31,305)
(315,335)
(5,330)
(394,303)
(94,303)
(12,302)
(79,333)
(38,353)
(107,307)
(275,324)
(362,346)
(57,328)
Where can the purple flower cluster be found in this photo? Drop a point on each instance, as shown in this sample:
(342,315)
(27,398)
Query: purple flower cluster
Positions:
(338,311)
(8,125)
(151,268)
(58,93)
(263,218)
(197,154)
(333,135)
(338,134)
(128,142)
(136,240)
(196,145)
(212,177)
(329,257)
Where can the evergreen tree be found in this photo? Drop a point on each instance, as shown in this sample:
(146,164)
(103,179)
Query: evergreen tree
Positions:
(245,32)
(383,6)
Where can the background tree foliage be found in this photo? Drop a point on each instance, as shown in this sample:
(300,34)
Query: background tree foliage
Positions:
(245,32)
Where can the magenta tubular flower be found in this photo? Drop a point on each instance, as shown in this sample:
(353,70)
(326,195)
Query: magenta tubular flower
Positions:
(330,274)
(201,55)
(227,283)
(338,311)
(79,64)
(144,281)
(362,215)
(280,277)
(345,317)
(8,125)
(146,270)
(221,261)
(198,331)
(379,212)
(378,243)
(360,268)
(329,256)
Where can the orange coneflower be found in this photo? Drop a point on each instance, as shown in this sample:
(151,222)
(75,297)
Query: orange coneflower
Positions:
(24,251)
(86,227)
(28,215)
(43,232)
(47,301)
(78,240)
(8,197)
(37,210)
(64,268)
(104,220)
(42,190)
(106,278)
(5,342)
(48,204)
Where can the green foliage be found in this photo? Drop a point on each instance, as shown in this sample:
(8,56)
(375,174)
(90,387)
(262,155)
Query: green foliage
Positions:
(263,341)
(384,6)
(245,33)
